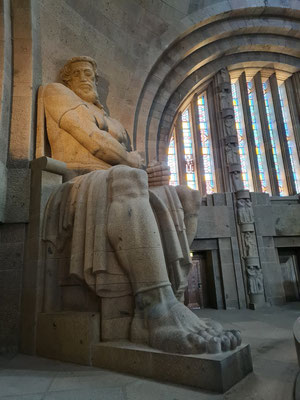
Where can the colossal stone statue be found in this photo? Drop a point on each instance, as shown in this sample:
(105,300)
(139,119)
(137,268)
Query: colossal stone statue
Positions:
(130,232)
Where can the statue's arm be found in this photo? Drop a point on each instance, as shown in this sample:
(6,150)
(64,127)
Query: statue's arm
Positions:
(101,144)
(72,115)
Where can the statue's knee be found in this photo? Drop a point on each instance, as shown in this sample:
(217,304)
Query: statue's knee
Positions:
(129,181)
(190,199)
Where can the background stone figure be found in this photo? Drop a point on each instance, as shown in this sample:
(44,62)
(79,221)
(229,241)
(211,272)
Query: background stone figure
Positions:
(232,153)
(237,181)
(118,227)
(229,127)
(250,244)
(255,280)
(245,211)
(225,99)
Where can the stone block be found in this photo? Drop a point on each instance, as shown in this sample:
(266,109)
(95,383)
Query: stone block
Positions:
(11,256)
(68,336)
(12,233)
(79,298)
(116,316)
(213,222)
(264,222)
(117,307)
(216,372)
(9,331)
(204,244)
(296,332)
(115,329)
(286,220)
(3,186)
(17,201)
(219,199)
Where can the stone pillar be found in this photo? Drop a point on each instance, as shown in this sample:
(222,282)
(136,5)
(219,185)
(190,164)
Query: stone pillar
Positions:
(245,216)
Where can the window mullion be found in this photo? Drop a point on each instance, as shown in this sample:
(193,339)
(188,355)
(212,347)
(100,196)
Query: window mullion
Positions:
(180,150)
(198,146)
(249,133)
(266,135)
(282,135)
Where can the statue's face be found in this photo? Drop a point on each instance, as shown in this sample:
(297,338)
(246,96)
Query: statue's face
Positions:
(82,81)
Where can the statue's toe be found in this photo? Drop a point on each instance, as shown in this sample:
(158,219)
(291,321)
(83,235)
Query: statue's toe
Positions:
(198,343)
(214,345)
(205,335)
(233,340)
(237,335)
(225,343)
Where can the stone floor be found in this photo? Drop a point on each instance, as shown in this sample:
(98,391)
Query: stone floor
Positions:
(269,331)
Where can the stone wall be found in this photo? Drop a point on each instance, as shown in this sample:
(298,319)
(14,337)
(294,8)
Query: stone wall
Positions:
(144,50)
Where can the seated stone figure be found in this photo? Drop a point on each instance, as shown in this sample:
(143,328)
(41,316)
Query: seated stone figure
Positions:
(130,232)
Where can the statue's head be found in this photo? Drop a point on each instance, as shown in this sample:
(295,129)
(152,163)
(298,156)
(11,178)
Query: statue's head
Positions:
(80,75)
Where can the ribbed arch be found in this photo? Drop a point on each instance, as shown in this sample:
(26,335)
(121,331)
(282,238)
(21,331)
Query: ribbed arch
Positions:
(253,35)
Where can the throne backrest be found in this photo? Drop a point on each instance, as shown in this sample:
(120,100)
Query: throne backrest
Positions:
(42,143)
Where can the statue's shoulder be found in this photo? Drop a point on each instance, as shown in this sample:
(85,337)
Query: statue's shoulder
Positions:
(57,89)
(58,99)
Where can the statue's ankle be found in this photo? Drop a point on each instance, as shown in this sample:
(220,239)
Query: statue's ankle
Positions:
(156,302)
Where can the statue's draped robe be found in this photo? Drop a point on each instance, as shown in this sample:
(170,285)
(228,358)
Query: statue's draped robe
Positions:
(77,211)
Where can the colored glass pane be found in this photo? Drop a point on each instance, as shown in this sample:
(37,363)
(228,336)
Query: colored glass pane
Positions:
(172,162)
(241,135)
(289,132)
(259,146)
(272,127)
(188,150)
(208,162)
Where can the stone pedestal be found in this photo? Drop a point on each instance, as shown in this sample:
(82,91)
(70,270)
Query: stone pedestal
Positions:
(216,373)
(68,336)
(257,301)
(296,332)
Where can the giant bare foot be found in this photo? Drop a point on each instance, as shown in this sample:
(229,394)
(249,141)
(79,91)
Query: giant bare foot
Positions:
(174,328)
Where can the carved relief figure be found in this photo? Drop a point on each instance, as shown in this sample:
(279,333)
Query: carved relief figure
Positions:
(229,126)
(250,244)
(126,238)
(245,211)
(232,153)
(225,99)
(237,181)
(255,280)
(224,75)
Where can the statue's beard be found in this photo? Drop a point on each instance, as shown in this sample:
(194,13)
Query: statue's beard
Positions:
(90,96)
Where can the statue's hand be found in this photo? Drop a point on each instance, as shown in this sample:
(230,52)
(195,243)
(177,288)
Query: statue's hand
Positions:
(158,173)
(135,160)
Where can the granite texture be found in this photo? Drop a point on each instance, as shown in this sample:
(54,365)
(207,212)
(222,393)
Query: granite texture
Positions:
(68,336)
(216,373)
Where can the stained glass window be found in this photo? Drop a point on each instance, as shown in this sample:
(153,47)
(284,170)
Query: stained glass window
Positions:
(188,150)
(259,146)
(207,154)
(241,134)
(276,152)
(289,132)
(189,144)
(172,162)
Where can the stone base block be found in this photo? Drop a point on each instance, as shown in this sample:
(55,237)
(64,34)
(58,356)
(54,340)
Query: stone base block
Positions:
(217,373)
(68,336)
(257,301)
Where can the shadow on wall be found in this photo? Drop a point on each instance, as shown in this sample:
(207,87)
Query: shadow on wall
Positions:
(103,90)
